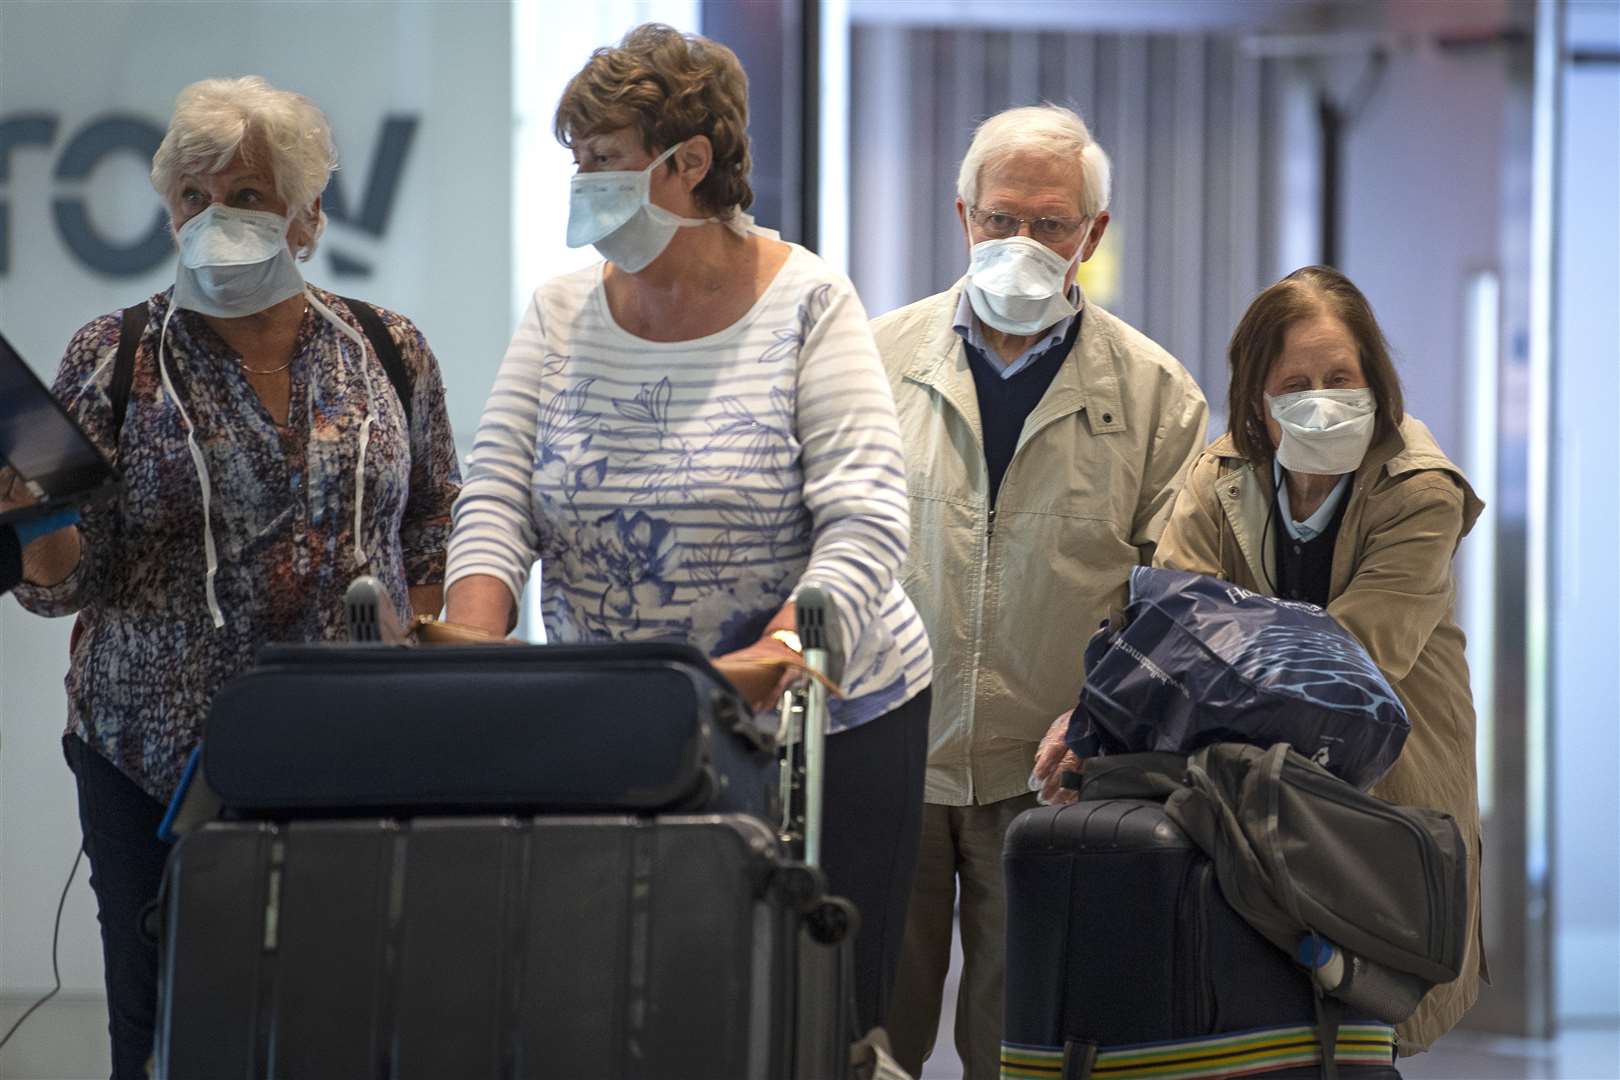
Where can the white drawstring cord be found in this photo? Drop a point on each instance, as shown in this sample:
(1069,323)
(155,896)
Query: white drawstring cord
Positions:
(201,465)
(365,425)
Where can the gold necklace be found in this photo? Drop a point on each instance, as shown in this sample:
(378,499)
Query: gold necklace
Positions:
(274,370)
(264,371)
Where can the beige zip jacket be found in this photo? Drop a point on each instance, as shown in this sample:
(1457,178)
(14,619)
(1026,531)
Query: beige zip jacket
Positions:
(1010,594)
(1392,587)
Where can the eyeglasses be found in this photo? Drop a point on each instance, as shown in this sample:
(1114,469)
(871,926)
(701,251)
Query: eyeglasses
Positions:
(1048,230)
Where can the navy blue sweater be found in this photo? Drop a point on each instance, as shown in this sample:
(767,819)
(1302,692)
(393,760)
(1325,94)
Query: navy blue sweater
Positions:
(1004,404)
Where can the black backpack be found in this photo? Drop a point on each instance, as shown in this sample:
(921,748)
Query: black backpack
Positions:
(134,329)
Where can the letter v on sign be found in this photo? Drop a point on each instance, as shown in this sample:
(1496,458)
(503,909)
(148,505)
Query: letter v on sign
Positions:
(382,185)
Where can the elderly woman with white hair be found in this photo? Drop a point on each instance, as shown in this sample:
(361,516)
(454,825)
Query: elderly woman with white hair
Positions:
(1045,443)
(275,441)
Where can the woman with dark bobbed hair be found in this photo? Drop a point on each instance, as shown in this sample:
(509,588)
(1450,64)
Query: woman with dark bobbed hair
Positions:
(687,432)
(1324,490)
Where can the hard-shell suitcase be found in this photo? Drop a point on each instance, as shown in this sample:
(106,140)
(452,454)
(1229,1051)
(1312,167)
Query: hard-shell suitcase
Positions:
(473,947)
(1120,945)
(486,728)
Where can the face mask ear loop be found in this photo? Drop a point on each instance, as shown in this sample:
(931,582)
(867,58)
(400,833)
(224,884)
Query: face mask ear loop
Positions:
(201,465)
(665,156)
(365,425)
(658,213)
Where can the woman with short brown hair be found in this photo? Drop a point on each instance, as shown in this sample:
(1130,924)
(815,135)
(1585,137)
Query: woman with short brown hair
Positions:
(666,87)
(689,431)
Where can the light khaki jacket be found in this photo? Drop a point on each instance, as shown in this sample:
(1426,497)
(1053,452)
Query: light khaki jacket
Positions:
(1011,594)
(1393,589)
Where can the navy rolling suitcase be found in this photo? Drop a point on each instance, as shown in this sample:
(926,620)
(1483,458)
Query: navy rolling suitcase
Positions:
(1124,960)
(643,728)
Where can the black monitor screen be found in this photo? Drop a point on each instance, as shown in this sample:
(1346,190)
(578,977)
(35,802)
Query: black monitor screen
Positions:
(36,436)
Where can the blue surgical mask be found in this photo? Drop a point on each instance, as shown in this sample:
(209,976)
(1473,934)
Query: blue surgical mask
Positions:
(614,212)
(234,263)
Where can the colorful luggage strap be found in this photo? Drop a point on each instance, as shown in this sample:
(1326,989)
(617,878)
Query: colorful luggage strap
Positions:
(1214,1057)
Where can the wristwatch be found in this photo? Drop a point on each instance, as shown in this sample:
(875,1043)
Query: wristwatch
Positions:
(788,638)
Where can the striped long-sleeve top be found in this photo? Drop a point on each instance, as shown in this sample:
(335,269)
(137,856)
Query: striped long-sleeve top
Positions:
(684,490)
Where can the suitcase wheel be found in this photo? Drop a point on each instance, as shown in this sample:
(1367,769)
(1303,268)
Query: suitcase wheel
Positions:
(801,887)
(832,920)
(150,922)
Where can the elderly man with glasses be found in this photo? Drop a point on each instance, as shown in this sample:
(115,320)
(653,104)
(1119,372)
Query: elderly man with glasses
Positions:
(1045,443)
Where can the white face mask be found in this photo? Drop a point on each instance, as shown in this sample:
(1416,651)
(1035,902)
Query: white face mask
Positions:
(614,212)
(1015,284)
(1324,432)
(235,262)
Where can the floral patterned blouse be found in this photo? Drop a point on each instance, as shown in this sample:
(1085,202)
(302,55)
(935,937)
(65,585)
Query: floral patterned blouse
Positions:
(147,656)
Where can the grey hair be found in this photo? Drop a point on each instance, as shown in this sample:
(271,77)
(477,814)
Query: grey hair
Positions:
(1040,129)
(216,118)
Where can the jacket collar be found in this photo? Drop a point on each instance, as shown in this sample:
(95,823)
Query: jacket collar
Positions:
(1246,494)
(1088,381)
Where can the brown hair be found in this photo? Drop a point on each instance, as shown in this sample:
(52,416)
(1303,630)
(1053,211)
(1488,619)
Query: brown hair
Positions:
(670,87)
(1258,339)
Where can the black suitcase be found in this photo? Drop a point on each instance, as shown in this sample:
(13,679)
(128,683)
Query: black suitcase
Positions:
(466,948)
(638,728)
(1118,937)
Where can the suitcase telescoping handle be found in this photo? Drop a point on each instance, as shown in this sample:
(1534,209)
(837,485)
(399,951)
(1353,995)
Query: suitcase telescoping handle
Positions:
(817,637)
(371,614)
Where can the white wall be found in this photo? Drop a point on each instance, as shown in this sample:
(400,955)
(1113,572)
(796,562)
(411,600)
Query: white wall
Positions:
(443,257)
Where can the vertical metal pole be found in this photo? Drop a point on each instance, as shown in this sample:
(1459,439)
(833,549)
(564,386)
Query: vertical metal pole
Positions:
(1515,875)
(1546,138)
(815,755)
(810,124)
(1331,120)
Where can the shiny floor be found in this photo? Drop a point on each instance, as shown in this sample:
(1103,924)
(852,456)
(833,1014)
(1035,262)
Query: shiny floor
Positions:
(1578,1053)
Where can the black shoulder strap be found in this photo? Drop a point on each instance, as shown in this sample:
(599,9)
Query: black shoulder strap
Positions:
(129,339)
(135,319)
(387,352)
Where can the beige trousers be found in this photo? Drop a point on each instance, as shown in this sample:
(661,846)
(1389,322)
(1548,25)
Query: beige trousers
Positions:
(960,844)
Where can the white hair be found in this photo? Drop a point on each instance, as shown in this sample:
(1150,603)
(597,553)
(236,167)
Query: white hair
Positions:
(1037,129)
(216,118)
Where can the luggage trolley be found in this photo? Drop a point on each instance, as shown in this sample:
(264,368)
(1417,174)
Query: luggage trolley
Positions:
(392,912)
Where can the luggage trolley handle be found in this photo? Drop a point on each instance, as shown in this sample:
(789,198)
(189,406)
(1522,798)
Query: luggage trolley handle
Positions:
(817,629)
(371,614)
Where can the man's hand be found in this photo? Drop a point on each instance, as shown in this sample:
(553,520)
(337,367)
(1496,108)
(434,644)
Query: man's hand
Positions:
(1052,759)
